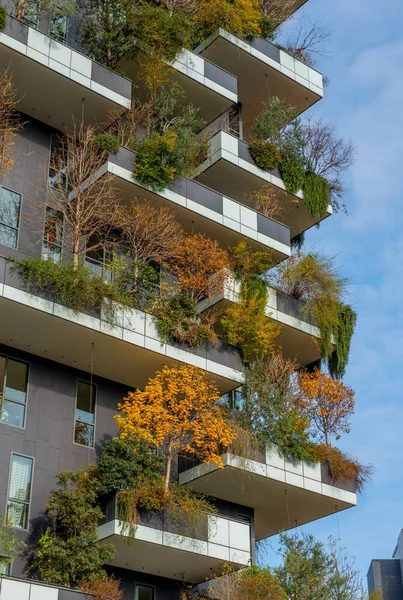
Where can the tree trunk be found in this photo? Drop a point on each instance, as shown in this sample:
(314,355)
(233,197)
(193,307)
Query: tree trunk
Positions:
(168,473)
(21,9)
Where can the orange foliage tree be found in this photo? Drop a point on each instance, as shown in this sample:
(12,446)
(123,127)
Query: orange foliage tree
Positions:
(177,413)
(326,402)
(200,265)
(102,587)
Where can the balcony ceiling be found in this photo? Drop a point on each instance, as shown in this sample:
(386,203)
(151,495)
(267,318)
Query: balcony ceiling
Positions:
(51,97)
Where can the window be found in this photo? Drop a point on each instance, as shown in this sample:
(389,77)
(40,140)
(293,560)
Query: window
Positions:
(52,239)
(13,391)
(58,27)
(98,259)
(144,592)
(19,491)
(10,205)
(5,566)
(57,163)
(85,414)
(233,399)
(31,14)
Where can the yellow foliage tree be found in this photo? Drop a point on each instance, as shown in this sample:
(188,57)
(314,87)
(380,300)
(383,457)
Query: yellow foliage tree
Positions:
(177,413)
(10,123)
(326,402)
(247,326)
(241,17)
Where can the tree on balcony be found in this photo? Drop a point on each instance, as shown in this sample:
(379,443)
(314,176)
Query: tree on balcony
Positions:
(10,123)
(88,203)
(177,413)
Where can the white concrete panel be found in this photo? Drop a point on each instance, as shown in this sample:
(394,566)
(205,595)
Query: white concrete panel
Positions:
(28,299)
(134,320)
(149,534)
(81,64)
(155,345)
(204,211)
(195,62)
(40,592)
(247,231)
(60,53)
(216,551)
(312,470)
(38,56)
(235,225)
(286,60)
(312,486)
(56,66)
(316,78)
(81,79)
(294,466)
(12,43)
(293,479)
(229,143)
(151,328)
(231,209)
(275,473)
(80,318)
(38,41)
(184,543)
(218,530)
(186,357)
(137,339)
(110,94)
(301,69)
(248,217)
(14,590)
(239,535)
(274,457)
(239,557)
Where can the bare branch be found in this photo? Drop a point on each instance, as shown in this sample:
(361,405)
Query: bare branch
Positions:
(307,42)
(151,233)
(83,193)
(10,123)
(327,155)
(188,7)
(278,11)
(268,202)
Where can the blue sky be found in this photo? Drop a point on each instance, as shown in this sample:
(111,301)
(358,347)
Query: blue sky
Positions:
(364,100)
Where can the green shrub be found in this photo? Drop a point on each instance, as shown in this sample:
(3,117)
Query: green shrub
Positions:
(293,175)
(265,155)
(272,121)
(316,194)
(176,319)
(343,333)
(268,28)
(154,158)
(3,18)
(160,33)
(75,287)
(106,142)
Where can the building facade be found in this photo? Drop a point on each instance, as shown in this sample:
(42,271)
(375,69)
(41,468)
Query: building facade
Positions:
(385,576)
(63,372)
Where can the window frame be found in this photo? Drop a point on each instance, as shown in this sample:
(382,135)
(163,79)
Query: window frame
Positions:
(17,229)
(46,246)
(62,40)
(62,173)
(95,386)
(32,458)
(145,585)
(2,398)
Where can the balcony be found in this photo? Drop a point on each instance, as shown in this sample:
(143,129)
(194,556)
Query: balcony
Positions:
(231,170)
(283,493)
(160,547)
(22,589)
(55,83)
(207,86)
(263,71)
(200,209)
(299,338)
(128,351)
